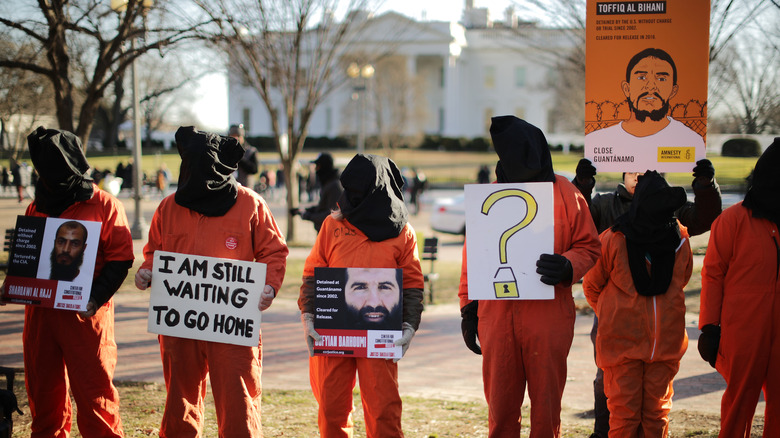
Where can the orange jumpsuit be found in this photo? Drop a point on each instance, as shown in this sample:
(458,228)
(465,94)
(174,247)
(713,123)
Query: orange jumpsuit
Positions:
(741,293)
(249,232)
(341,245)
(62,350)
(640,340)
(528,341)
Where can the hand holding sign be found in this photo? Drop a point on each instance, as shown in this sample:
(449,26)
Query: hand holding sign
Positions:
(143,278)
(308,331)
(266,297)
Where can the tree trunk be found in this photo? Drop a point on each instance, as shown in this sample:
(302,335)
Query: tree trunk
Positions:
(291,182)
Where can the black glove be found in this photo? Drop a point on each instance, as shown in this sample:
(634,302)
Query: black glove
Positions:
(585,173)
(294,211)
(709,341)
(704,171)
(554,269)
(469,326)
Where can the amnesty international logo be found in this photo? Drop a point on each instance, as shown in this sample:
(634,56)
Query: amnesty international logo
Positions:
(676,154)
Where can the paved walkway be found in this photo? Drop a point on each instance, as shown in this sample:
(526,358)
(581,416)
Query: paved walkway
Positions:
(436,366)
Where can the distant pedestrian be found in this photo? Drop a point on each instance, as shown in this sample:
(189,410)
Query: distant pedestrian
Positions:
(162,179)
(248,166)
(419,183)
(6,179)
(330,192)
(483,176)
(20,178)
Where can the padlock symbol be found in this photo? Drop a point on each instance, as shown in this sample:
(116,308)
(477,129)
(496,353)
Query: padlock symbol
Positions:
(505,283)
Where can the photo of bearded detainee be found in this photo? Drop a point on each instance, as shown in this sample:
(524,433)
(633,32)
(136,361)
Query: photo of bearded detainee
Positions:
(68,252)
(373,298)
(650,85)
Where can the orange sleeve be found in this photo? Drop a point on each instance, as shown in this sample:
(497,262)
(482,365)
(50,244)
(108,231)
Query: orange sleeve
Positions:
(115,232)
(154,240)
(409,260)
(463,287)
(315,259)
(597,277)
(713,274)
(270,246)
(584,248)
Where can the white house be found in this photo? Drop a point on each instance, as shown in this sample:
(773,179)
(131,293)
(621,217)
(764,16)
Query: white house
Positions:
(455,76)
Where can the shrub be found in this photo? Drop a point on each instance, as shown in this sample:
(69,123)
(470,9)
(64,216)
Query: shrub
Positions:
(741,147)
(479,144)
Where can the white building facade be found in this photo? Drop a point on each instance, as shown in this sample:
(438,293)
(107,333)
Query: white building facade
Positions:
(457,76)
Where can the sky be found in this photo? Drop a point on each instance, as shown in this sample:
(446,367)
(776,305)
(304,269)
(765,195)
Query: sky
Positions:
(211,108)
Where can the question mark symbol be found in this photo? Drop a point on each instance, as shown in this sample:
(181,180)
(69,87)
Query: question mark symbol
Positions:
(529,217)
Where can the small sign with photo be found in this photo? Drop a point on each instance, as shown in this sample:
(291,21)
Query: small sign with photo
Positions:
(358,312)
(52,262)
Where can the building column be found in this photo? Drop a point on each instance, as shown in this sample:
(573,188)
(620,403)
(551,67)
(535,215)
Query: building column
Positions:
(451,100)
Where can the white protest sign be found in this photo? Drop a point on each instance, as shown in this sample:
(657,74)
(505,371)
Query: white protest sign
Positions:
(206,298)
(508,226)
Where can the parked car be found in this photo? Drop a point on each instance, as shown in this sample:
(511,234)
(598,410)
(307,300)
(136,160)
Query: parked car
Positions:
(448,214)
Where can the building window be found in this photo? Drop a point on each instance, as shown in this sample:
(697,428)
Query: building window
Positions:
(519,77)
(490,76)
(246,117)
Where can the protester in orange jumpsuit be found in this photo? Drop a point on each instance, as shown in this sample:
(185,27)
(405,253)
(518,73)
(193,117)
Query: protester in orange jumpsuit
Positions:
(740,302)
(67,352)
(605,208)
(528,341)
(636,289)
(212,215)
(370,230)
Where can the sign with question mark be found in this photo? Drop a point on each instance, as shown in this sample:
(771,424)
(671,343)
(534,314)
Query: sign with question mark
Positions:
(508,226)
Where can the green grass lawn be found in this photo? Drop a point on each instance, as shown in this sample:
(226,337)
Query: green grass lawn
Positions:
(294,414)
(442,167)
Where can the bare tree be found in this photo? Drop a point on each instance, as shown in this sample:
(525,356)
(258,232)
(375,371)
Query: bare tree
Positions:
(747,75)
(165,84)
(55,33)
(22,103)
(396,104)
(290,52)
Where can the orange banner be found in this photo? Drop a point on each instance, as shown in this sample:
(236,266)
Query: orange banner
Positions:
(646,84)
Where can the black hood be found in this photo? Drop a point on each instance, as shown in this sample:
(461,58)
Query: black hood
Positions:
(763,195)
(522,149)
(325,170)
(63,171)
(373,197)
(208,161)
(652,232)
